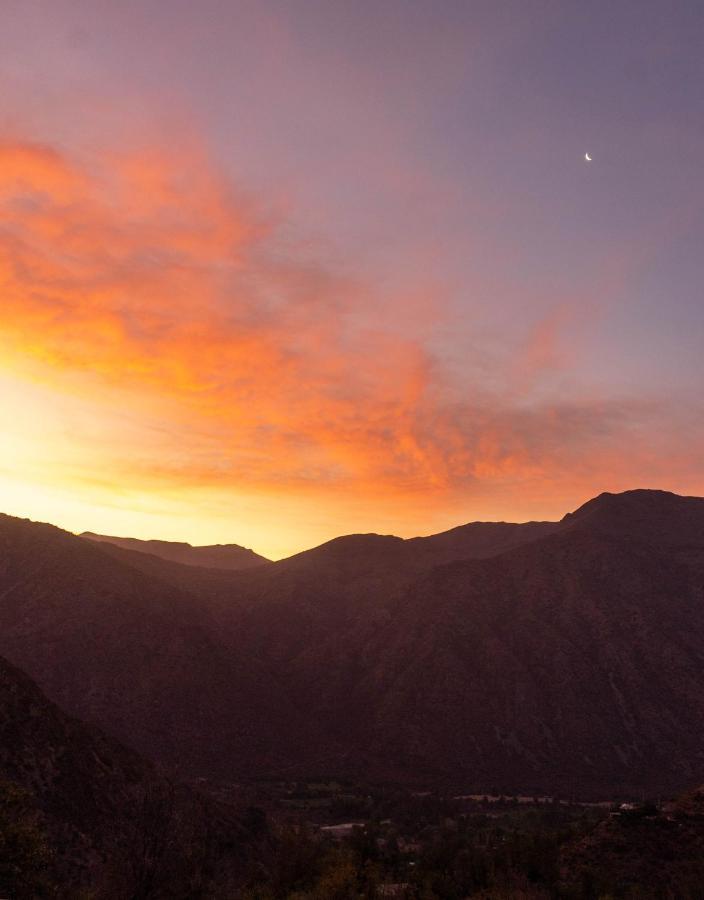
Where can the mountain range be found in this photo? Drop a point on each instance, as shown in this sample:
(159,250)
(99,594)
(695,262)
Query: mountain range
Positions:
(559,657)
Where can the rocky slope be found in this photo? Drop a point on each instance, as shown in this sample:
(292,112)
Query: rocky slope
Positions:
(81,812)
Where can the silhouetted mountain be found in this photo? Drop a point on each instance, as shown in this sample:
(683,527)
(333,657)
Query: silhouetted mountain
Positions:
(573,663)
(215,556)
(79,810)
(546,656)
(570,663)
(134,655)
(479,540)
(316,595)
(84,785)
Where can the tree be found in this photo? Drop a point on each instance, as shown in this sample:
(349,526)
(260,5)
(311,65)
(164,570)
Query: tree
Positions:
(24,850)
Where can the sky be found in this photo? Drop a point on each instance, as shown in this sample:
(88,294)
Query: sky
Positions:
(271,272)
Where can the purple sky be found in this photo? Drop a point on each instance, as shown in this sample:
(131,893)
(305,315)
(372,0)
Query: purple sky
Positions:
(435,151)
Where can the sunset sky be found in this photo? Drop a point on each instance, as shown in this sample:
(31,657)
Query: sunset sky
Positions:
(272,272)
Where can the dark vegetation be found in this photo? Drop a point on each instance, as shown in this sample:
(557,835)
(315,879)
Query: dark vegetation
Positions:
(439,848)
(419,848)
(81,815)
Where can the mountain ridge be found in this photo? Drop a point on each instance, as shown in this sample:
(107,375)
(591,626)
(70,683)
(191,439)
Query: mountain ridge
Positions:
(218,556)
(493,533)
(562,657)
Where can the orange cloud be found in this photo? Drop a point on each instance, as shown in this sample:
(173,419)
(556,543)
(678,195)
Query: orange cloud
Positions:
(144,283)
(147,273)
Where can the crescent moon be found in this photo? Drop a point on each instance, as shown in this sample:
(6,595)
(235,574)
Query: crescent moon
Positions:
(587,157)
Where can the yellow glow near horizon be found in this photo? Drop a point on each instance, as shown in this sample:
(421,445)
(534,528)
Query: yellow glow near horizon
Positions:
(168,371)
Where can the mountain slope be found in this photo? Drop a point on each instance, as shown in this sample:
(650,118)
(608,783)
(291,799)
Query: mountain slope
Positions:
(94,815)
(571,663)
(327,594)
(83,783)
(134,655)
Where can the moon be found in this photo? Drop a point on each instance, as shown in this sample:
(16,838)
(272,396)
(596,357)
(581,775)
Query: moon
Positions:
(587,157)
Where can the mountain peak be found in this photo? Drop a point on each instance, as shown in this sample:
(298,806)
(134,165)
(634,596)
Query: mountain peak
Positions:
(645,514)
(637,498)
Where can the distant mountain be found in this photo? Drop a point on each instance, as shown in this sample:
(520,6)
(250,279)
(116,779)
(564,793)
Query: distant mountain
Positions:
(561,657)
(214,556)
(480,540)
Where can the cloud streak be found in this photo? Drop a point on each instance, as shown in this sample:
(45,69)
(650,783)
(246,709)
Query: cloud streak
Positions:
(148,274)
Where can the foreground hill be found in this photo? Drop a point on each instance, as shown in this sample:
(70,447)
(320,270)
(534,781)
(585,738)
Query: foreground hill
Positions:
(78,810)
(215,556)
(560,657)
(83,785)
(645,852)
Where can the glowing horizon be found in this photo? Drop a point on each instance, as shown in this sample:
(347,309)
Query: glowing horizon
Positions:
(269,334)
